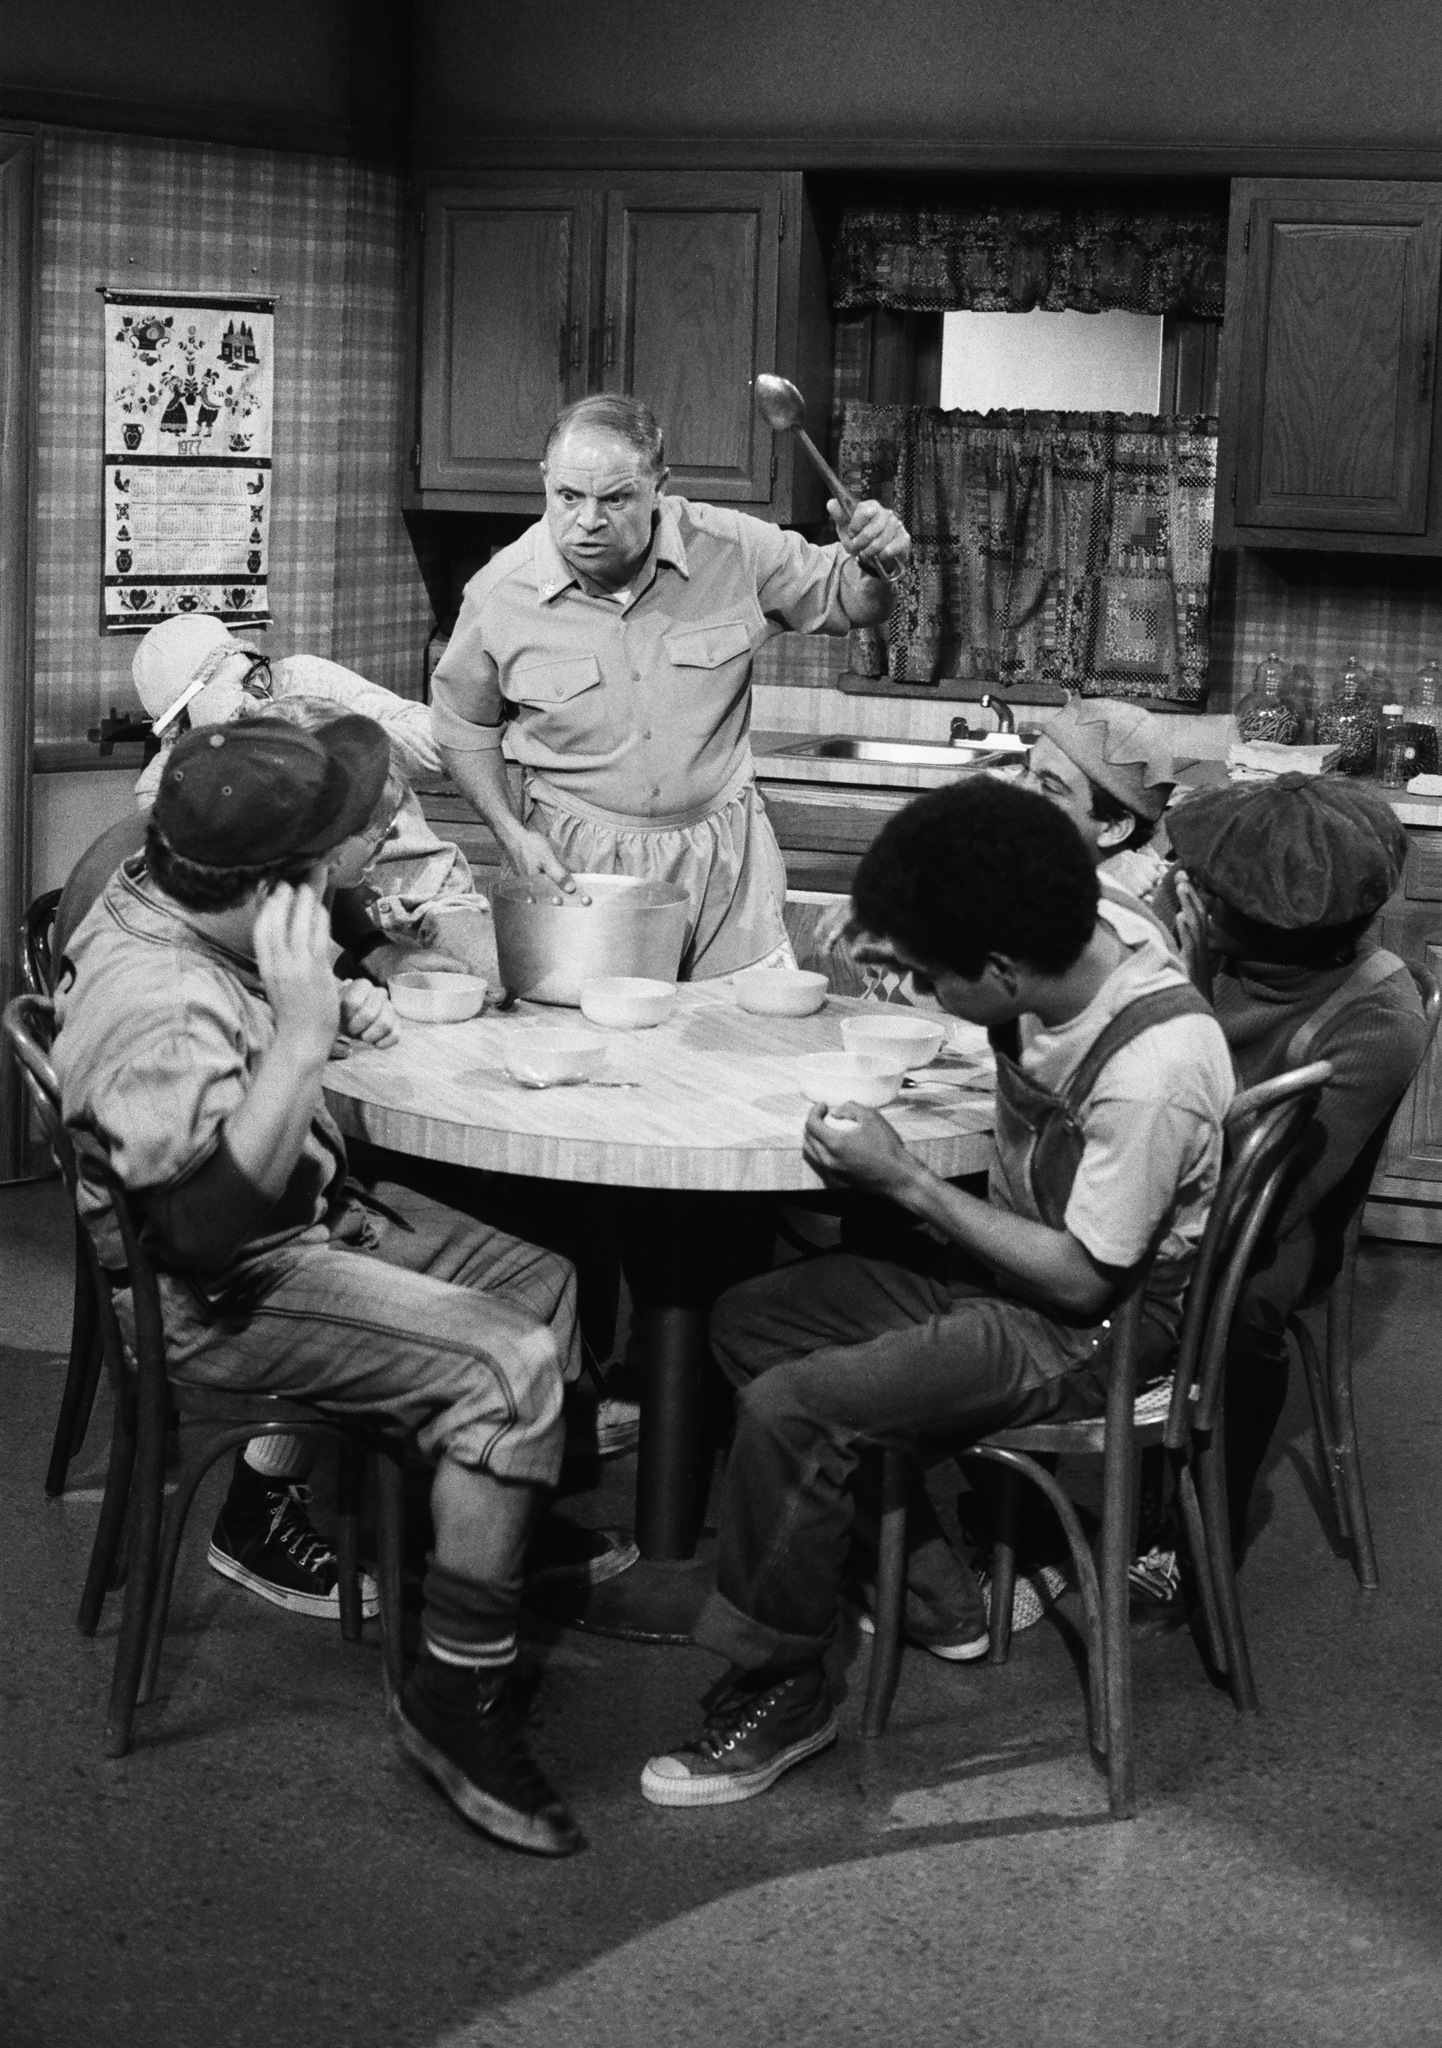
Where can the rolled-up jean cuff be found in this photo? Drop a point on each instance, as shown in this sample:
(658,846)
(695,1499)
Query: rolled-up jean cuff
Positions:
(750,1645)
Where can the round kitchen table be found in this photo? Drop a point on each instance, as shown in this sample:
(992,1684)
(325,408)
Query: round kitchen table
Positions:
(711,1106)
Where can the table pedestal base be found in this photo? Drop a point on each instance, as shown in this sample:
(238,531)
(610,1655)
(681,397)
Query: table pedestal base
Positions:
(653,1602)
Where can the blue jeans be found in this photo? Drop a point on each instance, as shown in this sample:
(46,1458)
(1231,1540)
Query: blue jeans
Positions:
(837,1357)
(402,1308)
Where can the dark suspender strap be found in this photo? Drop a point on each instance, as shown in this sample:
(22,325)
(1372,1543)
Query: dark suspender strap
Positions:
(1371,970)
(1144,1014)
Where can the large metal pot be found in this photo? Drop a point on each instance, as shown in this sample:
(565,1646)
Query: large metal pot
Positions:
(549,944)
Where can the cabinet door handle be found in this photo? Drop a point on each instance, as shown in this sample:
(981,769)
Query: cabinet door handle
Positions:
(575,344)
(1426,385)
(608,344)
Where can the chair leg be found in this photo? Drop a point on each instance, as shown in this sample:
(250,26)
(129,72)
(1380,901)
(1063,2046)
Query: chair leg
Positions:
(390,1536)
(177,1514)
(1117,1546)
(82,1374)
(1212,1490)
(890,1594)
(1196,1535)
(1344,1424)
(1003,1567)
(1017,1463)
(1321,1422)
(147,1509)
(350,1495)
(109,1528)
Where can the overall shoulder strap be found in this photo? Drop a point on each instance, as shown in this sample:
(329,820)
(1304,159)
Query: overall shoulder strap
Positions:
(1161,1007)
(1370,971)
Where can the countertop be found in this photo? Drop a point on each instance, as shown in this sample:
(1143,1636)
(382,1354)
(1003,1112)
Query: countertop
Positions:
(774,765)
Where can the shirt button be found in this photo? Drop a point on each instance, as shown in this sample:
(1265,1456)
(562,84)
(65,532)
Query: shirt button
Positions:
(645,732)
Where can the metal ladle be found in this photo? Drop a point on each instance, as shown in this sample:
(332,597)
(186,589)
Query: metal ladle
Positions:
(783,408)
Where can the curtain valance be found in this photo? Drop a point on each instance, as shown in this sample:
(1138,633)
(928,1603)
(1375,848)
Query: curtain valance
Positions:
(1014,259)
(1068,548)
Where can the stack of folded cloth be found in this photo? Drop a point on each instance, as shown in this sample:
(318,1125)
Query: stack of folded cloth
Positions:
(1264,760)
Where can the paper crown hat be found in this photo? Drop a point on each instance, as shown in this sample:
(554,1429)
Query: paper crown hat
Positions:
(1120,748)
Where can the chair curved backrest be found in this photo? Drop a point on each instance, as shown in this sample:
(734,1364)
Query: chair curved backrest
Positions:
(37,951)
(1264,1127)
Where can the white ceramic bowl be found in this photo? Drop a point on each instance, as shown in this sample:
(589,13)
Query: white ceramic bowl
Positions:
(437,998)
(904,1042)
(834,1077)
(779,991)
(542,1055)
(627,1002)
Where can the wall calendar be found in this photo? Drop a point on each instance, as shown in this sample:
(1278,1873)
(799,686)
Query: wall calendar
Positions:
(189,405)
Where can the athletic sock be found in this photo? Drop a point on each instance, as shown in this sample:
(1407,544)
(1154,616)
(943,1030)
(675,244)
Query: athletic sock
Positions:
(467,1626)
(284,1459)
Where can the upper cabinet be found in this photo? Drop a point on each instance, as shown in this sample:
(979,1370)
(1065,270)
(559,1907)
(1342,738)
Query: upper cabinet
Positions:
(676,290)
(1329,427)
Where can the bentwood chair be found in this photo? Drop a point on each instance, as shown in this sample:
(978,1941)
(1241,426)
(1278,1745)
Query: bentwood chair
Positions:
(146,1394)
(1264,1127)
(82,1371)
(1329,1388)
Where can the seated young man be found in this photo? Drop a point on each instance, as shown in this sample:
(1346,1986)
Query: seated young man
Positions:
(1279,884)
(195,1025)
(1109,768)
(985,893)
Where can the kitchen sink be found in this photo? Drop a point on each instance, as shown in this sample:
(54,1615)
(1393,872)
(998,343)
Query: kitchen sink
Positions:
(959,756)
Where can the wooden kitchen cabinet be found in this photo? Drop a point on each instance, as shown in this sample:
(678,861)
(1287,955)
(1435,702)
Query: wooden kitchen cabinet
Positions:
(1329,431)
(675,290)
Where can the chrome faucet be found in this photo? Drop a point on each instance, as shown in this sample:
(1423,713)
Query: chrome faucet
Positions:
(1004,720)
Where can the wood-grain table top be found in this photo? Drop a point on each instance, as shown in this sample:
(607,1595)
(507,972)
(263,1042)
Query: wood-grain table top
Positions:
(717,1108)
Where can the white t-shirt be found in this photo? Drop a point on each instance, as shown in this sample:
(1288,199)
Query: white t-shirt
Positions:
(1152,1127)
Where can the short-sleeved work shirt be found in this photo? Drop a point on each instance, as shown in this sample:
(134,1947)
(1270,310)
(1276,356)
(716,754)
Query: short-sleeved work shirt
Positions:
(638,706)
(1152,1125)
(161,1034)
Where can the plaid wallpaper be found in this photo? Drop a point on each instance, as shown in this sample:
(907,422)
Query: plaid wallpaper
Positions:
(1316,610)
(325,237)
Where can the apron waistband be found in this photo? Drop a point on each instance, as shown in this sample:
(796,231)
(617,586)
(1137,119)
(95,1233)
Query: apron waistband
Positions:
(620,821)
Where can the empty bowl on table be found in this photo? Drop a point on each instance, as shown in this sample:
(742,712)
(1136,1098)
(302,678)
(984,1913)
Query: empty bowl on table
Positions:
(779,991)
(542,1056)
(847,1077)
(437,998)
(627,1002)
(904,1042)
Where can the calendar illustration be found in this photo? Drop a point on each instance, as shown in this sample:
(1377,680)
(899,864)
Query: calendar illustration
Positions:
(189,405)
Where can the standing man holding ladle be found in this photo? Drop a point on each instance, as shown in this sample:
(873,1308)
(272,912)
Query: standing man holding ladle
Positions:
(618,634)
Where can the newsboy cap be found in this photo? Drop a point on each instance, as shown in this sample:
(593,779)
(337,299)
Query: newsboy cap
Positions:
(1302,851)
(243,796)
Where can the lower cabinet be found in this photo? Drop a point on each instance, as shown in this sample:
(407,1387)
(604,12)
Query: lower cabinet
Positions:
(1406,1200)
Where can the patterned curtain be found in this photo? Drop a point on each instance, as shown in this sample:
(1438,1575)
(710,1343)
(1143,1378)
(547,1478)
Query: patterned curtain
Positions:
(1014,259)
(1067,548)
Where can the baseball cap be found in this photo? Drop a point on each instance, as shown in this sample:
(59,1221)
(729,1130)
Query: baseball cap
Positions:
(177,660)
(241,796)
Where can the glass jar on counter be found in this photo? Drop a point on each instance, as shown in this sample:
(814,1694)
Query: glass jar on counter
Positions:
(1396,748)
(1348,719)
(1271,710)
(1424,718)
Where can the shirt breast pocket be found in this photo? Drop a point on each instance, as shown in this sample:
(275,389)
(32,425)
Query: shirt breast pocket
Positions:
(712,665)
(561,702)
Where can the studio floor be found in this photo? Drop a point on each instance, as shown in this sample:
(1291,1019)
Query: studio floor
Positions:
(264,1869)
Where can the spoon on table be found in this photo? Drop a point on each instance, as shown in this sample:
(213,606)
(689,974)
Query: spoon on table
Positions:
(783,408)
